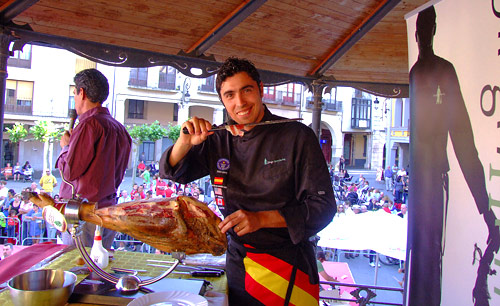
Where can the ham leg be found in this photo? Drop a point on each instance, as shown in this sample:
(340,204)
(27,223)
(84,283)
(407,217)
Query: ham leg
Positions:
(180,224)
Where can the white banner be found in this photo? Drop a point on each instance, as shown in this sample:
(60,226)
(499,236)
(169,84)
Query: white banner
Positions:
(454,63)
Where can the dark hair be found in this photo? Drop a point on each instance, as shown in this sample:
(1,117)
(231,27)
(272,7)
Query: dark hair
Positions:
(94,83)
(320,255)
(233,66)
(12,192)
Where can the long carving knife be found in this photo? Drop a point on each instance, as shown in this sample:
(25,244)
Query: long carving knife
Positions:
(232,127)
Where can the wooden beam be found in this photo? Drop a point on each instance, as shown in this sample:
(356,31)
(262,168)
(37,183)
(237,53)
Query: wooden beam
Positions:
(12,8)
(356,34)
(245,9)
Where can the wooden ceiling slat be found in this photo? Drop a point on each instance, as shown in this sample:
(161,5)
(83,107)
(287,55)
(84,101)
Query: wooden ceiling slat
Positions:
(287,36)
(228,23)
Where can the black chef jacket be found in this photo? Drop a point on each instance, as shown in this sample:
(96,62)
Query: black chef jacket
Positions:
(274,167)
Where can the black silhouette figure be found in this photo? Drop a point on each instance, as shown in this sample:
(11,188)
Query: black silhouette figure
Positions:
(438,109)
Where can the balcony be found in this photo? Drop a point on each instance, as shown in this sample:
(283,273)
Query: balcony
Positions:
(328,105)
(18,109)
(400,132)
(282,98)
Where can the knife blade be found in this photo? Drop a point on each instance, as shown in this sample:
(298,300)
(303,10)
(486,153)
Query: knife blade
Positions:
(200,273)
(243,126)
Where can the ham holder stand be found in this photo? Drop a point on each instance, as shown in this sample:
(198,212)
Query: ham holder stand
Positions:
(127,284)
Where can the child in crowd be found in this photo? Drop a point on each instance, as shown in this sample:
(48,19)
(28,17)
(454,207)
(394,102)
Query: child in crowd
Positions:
(12,224)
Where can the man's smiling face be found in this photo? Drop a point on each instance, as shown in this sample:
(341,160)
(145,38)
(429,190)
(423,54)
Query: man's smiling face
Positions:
(242,97)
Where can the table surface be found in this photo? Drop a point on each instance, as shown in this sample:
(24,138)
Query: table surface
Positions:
(129,260)
(341,271)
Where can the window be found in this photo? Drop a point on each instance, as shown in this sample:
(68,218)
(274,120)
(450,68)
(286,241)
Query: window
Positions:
(138,77)
(135,109)
(19,97)
(167,77)
(83,63)
(361,113)
(71,100)
(288,95)
(208,84)
(270,93)
(147,151)
(21,59)
(176,112)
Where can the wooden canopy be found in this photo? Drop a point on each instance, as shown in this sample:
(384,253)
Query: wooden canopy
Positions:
(358,43)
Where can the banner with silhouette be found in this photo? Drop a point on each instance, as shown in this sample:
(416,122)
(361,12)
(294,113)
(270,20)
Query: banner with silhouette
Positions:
(454,203)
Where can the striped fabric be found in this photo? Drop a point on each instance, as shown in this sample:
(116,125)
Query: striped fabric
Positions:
(267,279)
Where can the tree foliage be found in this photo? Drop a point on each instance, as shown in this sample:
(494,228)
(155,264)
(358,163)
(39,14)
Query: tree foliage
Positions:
(146,132)
(46,131)
(17,133)
(173,132)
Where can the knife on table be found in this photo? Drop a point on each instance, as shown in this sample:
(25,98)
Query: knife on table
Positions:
(193,271)
(243,126)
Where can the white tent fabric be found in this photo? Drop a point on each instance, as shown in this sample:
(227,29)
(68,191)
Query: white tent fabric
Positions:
(379,231)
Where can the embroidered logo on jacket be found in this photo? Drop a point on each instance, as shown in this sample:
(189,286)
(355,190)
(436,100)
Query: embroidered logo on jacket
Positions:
(270,162)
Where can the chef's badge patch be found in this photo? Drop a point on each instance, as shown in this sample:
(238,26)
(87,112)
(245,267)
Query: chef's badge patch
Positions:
(223,164)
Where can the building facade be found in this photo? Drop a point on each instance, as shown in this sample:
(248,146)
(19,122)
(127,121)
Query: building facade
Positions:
(40,87)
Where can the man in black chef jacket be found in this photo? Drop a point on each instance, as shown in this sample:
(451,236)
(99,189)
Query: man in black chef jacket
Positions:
(271,183)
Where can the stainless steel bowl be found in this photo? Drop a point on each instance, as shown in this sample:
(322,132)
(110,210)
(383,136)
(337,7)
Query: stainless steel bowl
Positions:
(42,287)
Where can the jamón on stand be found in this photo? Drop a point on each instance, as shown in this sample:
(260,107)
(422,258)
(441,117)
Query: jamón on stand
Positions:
(180,224)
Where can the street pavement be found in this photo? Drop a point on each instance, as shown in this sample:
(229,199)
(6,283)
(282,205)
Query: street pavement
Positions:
(363,273)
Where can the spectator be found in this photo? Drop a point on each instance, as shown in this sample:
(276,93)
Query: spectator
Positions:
(124,197)
(134,191)
(170,190)
(141,167)
(7,171)
(17,172)
(15,205)
(388,178)
(403,213)
(48,182)
(3,226)
(3,191)
(146,176)
(12,225)
(27,171)
(320,258)
(7,250)
(25,208)
(398,190)
(34,187)
(8,201)
(161,188)
(36,223)
(138,194)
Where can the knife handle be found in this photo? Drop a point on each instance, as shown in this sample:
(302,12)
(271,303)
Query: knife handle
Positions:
(206,273)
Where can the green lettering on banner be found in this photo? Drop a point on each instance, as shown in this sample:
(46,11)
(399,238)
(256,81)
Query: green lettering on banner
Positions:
(494,172)
(492,202)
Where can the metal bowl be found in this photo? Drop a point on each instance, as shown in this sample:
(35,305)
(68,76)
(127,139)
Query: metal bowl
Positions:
(42,287)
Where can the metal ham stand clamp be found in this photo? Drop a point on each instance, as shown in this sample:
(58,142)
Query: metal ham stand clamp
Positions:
(127,284)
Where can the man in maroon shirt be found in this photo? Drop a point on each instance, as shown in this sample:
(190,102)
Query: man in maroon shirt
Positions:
(95,154)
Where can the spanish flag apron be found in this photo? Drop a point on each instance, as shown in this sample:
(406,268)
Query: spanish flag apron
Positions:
(272,276)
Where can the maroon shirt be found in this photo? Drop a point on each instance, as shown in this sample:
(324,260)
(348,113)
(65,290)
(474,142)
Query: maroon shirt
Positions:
(96,158)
